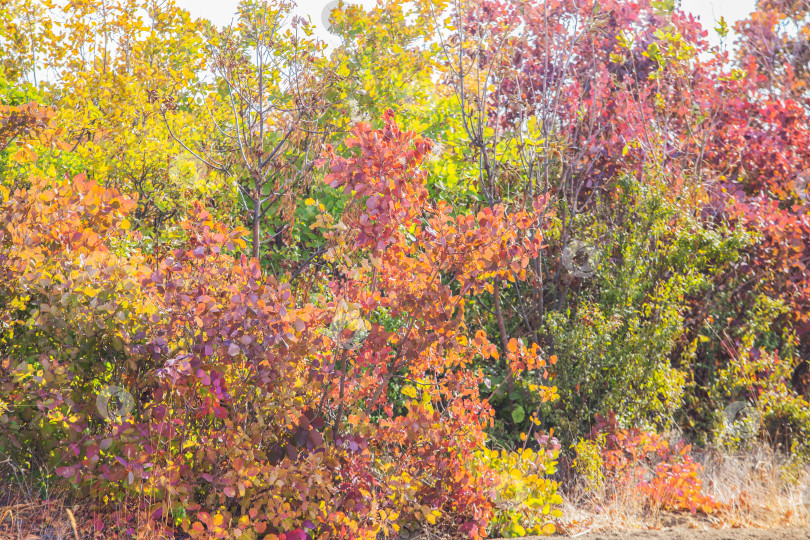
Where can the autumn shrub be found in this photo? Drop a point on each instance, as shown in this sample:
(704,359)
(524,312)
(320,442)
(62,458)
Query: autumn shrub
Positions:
(663,476)
(257,407)
(318,335)
(68,304)
(747,342)
(761,378)
(639,92)
(525,500)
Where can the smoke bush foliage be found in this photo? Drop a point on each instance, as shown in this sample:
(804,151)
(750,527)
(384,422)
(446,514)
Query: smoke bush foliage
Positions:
(325,325)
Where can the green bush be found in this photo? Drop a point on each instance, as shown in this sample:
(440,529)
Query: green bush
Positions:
(617,336)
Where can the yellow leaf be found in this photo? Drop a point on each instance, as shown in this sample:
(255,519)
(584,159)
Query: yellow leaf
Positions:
(23,155)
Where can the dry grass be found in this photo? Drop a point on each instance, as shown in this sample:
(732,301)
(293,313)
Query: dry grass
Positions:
(47,520)
(52,520)
(759,487)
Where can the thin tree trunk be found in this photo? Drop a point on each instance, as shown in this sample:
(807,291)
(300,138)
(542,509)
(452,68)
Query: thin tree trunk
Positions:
(502,329)
(339,417)
(257,216)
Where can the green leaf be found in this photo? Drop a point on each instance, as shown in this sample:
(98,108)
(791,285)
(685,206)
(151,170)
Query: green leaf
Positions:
(517,530)
(518,414)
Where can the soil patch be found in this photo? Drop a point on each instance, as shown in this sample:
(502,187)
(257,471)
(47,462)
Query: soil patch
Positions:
(781,533)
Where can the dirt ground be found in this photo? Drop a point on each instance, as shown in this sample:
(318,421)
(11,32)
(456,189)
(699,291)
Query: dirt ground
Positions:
(786,533)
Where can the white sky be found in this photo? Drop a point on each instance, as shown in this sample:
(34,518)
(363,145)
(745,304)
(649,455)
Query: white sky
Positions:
(710,11)
(222,11)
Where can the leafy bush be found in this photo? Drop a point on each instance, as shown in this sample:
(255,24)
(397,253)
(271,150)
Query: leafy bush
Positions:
(525,502)
(588,462)
(623,324)
(665,476)
(269,408)
(221,313)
